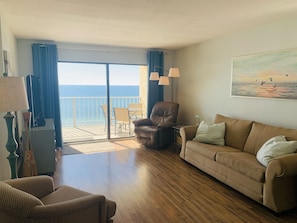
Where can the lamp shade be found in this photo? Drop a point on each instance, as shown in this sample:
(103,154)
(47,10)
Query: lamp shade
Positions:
(154,76)
(174,72)
(164,80)
(13,96)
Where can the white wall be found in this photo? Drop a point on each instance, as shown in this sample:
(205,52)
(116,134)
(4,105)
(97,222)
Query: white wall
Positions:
(100,54)
(204,87)
(25,63)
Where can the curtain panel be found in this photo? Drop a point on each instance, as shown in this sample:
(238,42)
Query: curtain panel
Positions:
(45,65)
(155,92)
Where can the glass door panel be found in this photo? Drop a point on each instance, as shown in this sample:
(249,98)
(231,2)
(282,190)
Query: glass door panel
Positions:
(127,99)
(83,94)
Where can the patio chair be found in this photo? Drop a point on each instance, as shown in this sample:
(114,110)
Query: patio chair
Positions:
(135,110)
(104,109)
(122,119)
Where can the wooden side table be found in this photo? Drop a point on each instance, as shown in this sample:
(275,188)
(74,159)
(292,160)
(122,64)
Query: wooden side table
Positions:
(177,137)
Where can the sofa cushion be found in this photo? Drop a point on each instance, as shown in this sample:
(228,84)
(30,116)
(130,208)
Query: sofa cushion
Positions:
(208,150)
(236,132)
(63,193)
(244,163)
(211,133)
(275,147)
(260,133)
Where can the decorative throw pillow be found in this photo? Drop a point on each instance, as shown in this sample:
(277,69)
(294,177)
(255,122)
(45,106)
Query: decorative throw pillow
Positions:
(211,133)
(275,147)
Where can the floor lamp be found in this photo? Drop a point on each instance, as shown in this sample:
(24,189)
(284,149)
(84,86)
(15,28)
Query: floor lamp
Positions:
(173,72)
(13,97)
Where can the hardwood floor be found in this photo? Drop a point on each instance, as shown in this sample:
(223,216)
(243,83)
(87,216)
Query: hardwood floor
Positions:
(153,186)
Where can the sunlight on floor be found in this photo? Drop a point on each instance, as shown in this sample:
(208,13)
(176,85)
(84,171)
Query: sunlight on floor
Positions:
(99,147)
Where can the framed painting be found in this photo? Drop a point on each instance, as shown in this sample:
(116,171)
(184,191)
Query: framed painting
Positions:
(266,75)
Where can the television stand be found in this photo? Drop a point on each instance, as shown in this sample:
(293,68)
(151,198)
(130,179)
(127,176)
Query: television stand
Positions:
(43,145)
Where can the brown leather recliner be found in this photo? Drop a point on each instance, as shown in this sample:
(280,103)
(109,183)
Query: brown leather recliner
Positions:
(156,132)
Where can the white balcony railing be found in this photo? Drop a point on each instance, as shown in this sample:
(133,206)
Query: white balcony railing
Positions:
(82,111)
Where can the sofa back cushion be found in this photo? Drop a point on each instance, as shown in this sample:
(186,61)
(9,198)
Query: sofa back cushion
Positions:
(261,133)
(236,132)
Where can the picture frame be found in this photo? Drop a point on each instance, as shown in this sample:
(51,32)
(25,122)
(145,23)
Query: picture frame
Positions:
(265,75)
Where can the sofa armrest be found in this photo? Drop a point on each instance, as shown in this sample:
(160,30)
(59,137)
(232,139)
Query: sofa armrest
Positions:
(186,133)
(283,166)
(280,183)
(38,186)
(71,206)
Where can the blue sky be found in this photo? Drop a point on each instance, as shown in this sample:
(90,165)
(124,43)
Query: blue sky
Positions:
(95,74)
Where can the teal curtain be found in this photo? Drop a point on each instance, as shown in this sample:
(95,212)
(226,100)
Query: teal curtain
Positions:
(155,92)
(45,65)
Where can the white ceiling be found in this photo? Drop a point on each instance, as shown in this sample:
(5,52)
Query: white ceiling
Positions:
(165,24)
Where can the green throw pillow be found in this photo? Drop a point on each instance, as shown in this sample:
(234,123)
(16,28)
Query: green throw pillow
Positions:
(211,133)
(275,147)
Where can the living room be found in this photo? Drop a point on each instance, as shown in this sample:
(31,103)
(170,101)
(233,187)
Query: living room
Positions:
(206,71)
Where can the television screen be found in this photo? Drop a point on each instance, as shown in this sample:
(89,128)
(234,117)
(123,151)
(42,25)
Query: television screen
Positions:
(34,100)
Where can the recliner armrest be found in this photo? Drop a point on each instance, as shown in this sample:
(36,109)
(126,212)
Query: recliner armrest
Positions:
(166,125)
(142,122)
(38,186)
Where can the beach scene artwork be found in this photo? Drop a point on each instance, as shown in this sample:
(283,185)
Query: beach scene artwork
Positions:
(266,75)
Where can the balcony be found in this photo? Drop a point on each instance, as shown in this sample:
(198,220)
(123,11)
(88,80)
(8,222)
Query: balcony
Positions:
(83,118)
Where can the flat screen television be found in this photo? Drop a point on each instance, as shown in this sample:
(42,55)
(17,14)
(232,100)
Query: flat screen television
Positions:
(34,100)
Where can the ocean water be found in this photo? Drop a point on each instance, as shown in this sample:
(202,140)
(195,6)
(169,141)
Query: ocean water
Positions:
(97,90)
(267,90)
(80,104)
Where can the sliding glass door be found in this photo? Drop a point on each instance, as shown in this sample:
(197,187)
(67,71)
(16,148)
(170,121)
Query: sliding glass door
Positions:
(127,98)
(92,95)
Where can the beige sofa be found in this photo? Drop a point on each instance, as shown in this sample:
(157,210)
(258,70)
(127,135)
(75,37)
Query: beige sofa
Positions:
(235,163)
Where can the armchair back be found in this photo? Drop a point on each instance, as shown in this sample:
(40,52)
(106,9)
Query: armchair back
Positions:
(164,112)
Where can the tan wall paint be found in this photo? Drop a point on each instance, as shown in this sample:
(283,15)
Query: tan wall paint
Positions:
(204,87)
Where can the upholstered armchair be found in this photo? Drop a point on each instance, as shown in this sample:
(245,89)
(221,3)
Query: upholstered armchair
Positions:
(34,199)
(156,132)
